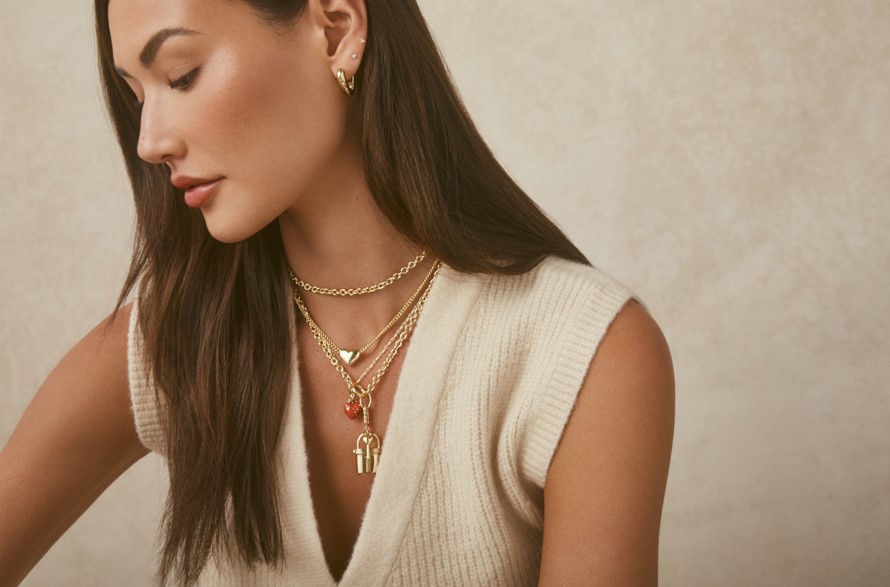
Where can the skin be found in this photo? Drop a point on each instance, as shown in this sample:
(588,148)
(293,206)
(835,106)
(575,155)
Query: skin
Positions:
(605,488)
(264,113)
(75,438)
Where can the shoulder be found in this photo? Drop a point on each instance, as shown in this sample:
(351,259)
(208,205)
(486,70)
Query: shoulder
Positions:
(558,275)
(607,479)
(630,378)
(557,314)
(534,335)
(555,288)
(633,356)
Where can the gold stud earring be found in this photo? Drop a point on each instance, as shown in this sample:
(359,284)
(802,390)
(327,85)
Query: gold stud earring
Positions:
(346,86)
(355,55)
(363,41)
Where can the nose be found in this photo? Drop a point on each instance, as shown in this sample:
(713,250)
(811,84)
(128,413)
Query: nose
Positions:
(159,141)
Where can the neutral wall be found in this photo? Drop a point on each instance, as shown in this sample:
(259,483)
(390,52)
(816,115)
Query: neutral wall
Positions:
(730,161)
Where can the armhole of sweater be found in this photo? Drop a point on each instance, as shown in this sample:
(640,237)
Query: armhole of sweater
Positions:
(143,399)
(558,397)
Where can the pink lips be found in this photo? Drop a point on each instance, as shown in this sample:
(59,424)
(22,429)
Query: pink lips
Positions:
(197,190)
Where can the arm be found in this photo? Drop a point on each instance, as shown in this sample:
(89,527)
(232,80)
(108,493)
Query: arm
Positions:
(75,438)
(605,487)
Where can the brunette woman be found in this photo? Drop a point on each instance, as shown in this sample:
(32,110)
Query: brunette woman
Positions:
(367,356)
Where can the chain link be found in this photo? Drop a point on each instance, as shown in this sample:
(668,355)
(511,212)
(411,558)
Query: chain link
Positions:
(400,336)
(386,328)
(342,292)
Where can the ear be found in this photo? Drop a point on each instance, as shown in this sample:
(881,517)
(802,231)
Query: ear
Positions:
(346,28)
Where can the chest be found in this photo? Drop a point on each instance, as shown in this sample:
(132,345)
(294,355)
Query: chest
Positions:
(339,493)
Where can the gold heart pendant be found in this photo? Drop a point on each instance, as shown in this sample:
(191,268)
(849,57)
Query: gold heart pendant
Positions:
(350,356)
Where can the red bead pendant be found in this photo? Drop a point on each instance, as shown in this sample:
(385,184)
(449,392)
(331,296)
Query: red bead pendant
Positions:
(352,410)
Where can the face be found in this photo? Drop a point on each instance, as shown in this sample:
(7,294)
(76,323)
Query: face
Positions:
(248,114)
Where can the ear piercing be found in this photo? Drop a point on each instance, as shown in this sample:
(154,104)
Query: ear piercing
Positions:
(348,86)
(355,55)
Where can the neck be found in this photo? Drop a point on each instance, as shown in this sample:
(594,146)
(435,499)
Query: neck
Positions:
(335,235)
(344,242)
(339,238)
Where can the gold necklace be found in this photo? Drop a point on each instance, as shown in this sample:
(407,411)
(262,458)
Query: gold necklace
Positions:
(367,457)
(330,291)
(350,357)
(399,338)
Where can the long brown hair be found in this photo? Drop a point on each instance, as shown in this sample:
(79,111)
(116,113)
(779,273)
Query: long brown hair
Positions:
(214,316)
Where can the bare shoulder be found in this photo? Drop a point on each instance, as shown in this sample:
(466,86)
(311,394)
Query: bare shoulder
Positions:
(605,487)
(76,436)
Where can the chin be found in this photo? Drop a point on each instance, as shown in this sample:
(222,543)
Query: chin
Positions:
(230,232)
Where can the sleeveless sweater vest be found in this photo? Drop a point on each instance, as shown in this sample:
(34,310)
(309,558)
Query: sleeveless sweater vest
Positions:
(458,495)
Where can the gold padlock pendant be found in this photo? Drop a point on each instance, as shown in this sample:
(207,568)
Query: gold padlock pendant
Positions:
(367,458)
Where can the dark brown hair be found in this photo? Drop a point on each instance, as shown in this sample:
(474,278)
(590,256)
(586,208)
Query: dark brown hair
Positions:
(214,316)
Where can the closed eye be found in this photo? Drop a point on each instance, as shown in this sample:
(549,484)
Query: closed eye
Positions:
(184,82)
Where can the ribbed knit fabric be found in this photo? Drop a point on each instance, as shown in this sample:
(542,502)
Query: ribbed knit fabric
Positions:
(458,496)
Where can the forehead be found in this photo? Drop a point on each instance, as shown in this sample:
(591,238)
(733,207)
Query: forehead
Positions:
(133,22)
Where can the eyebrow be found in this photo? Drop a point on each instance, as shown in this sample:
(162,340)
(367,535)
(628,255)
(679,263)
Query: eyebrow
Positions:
(150,50)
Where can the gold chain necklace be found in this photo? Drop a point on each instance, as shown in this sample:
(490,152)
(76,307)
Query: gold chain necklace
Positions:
(330,291)
(368,456)
(350,357)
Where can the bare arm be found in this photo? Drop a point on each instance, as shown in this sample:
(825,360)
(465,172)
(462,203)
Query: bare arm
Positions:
(605,488)
(75,438)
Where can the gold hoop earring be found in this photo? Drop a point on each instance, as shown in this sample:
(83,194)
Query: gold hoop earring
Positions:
(346,86)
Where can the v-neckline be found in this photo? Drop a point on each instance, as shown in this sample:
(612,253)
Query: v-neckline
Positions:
(405,448)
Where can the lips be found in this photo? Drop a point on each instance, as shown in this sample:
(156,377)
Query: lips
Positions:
(197,190)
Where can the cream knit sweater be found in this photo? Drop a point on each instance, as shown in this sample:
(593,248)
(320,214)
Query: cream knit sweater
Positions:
(458,496)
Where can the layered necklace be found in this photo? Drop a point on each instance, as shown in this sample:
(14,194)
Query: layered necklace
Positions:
(359,396)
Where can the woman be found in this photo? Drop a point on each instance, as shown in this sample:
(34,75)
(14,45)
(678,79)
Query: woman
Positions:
(367,356)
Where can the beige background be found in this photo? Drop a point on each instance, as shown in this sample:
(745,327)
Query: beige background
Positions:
(727,160)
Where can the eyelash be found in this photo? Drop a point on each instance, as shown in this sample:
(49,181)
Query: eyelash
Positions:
(182,84)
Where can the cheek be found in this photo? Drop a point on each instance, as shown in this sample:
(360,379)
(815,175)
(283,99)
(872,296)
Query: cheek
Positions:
(282,111)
